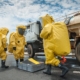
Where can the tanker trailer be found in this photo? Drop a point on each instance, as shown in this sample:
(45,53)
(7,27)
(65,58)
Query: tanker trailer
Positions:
(73,25)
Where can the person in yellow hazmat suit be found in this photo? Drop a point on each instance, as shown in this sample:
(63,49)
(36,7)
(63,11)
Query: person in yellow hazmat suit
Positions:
(17,43)
(55,43)
(3,46)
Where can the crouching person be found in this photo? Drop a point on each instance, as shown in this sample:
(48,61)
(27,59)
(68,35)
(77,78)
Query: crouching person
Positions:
(55,42)
(3,47)
(17,43)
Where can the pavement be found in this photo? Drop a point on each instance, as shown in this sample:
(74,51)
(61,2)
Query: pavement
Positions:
(14,73)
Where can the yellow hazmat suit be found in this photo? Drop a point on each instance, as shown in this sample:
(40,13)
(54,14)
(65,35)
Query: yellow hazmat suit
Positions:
(55,40)
(18,41)
(3,45)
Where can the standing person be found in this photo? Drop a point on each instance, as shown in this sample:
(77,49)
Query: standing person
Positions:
(3,46)
(17,43)
(55,43)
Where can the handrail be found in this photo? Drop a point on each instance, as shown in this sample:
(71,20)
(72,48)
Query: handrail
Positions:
(66,16)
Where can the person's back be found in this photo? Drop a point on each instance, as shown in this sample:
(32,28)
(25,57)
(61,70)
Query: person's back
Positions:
(61,38)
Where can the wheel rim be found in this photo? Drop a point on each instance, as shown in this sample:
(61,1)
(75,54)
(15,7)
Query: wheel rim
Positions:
(30,51)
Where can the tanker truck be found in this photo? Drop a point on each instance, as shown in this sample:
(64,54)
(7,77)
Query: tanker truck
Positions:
(73,25)
(35,44)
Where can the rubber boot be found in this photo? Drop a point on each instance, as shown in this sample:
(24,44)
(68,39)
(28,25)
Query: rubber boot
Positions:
(64,69)
(16,62)
(3,64)
(21,60)
(47,70)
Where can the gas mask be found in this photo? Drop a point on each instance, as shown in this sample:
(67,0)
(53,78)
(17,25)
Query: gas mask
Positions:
(21,31)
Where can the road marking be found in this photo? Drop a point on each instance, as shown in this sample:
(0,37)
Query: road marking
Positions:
(76,71)
(12,53)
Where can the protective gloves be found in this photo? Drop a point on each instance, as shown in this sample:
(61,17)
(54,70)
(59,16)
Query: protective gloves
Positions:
(14,48)
(5,49)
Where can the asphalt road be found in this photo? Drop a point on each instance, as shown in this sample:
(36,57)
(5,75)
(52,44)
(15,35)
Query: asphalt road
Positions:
(16,74)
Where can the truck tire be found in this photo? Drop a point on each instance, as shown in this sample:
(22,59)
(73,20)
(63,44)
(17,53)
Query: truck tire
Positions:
(78,52)
(31,51)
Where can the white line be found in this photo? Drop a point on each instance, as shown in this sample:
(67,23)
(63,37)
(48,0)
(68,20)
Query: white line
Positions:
(76,71)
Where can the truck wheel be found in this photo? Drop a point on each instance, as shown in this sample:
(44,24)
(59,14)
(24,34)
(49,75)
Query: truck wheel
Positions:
(78,52)
(30,50)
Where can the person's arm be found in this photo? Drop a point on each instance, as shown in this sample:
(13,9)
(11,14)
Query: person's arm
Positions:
(4,41)
(46,31)
(0,40)
(25,41)
(12,41)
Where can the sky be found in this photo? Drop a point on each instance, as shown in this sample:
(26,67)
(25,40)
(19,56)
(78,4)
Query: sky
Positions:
(15,12)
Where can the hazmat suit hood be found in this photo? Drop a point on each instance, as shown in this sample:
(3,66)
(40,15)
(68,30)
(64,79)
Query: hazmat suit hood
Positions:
(46,20)
(21,26)
(21,29)
(4,30)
